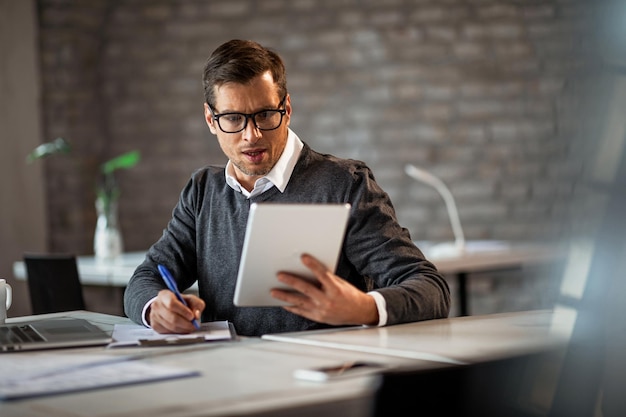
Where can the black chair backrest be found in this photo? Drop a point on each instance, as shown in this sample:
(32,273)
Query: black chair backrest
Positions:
(53,283)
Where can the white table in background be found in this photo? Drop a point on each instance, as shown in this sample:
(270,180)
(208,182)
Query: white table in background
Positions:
(479,256)
(106,272)
(489,255)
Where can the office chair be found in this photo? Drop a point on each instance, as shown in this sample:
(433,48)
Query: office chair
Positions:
(53,283)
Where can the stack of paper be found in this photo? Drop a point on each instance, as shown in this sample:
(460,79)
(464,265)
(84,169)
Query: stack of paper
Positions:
(137,335)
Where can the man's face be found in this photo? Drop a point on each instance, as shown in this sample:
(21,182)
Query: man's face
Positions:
(253,152)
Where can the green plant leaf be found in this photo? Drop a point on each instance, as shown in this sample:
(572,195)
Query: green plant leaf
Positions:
(59,145)
(126,160)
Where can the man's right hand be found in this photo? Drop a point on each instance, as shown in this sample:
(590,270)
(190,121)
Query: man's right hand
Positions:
(168,315)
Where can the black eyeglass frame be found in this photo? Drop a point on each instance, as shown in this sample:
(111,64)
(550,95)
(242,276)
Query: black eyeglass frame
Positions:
(282,112)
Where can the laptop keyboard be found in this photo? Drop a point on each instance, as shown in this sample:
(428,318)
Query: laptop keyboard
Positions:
(18,334)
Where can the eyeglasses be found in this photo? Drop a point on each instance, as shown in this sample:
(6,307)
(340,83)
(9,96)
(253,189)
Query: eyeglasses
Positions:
(268,119)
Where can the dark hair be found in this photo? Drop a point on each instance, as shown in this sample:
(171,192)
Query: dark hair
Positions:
(239,61)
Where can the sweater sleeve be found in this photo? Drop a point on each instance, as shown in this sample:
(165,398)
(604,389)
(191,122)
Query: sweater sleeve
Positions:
(383,250)
(176,249)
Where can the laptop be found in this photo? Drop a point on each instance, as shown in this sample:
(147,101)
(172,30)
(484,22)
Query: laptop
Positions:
(50,333)
(276,236)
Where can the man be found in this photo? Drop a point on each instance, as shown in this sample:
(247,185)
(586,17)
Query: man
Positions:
(249,109)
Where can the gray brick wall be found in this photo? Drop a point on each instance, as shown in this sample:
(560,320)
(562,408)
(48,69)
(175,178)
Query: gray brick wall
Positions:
(484,93)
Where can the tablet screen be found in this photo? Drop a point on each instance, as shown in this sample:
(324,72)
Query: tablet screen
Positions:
(276,236)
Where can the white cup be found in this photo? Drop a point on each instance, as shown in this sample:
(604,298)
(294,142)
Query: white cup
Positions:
(6,297)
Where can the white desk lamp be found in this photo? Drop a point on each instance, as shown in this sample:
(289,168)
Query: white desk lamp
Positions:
(447,249)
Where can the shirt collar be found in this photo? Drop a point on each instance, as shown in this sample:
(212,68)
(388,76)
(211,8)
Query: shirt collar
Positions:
(279,175)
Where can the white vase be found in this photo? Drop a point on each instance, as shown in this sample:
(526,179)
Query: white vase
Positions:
(107,242)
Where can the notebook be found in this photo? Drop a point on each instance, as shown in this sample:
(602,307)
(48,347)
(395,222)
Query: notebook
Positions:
(51,333)
(276,236)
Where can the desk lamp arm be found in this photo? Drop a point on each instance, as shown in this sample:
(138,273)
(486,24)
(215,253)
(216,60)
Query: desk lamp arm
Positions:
(428,178)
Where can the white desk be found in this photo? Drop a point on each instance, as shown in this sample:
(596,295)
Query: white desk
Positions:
(460,340)
(112,273)
(479,256)
(254,376)
(486,255)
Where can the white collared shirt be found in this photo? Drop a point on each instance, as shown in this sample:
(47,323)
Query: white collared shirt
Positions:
(279,174)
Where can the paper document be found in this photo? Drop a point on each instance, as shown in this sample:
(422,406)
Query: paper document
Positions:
(40,364)
(138,335)
(47,374)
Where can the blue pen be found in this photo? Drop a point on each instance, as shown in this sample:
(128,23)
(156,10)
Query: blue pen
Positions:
(171,284)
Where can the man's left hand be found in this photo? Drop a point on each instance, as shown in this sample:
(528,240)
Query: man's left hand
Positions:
(331,300)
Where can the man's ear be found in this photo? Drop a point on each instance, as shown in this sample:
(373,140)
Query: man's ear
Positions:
(208,117)
(288,108)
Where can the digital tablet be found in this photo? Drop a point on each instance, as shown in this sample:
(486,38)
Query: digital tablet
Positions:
(276,236)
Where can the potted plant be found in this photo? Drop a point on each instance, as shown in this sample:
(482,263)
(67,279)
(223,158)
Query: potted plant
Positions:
(107,242)
(107,238)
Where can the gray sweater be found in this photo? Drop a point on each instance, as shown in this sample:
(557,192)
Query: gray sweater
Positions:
(204,239)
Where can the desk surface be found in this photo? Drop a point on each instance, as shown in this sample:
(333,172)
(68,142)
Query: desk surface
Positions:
(462,340)
(254,376)
(486,255)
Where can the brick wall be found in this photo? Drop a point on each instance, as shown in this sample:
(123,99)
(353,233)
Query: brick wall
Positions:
(484,93)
